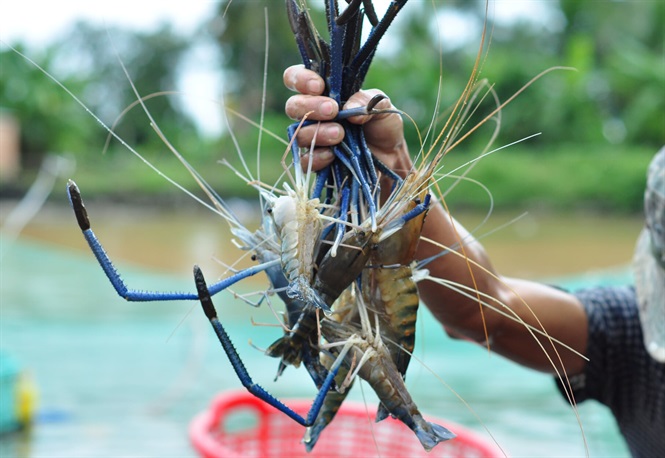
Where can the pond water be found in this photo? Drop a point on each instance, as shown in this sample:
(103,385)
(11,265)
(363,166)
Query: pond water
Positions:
(119,379)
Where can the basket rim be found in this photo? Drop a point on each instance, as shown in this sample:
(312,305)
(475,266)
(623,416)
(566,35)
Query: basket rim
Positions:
(224,403)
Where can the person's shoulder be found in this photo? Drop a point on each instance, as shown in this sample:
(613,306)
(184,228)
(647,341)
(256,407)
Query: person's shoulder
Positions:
(608,297)
(613,317)
(614,345)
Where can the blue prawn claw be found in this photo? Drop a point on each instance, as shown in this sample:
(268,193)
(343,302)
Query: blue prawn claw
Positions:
(362,111)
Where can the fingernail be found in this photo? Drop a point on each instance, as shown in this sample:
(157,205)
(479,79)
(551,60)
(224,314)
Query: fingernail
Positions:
(326,108)
(324,154)
(315,86)
(332,132)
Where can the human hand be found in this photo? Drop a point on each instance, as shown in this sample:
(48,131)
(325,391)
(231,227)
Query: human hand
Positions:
(384,132)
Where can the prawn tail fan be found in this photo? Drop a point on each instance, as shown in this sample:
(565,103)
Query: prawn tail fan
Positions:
(430,434)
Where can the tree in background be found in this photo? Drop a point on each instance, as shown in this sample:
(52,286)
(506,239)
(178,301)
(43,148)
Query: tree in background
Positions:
(240,30)
(153,61)
(87,61)
(614,97)
(25,94)
(619,50)
(613,104)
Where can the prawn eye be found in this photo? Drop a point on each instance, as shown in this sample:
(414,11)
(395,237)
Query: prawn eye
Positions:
(269,210)
(253,257)
(417,201)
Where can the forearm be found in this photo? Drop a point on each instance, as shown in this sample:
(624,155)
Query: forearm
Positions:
(464,266)
(466,278)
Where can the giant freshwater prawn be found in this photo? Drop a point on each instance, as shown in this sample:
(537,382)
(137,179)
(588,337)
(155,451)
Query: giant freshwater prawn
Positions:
(323,240)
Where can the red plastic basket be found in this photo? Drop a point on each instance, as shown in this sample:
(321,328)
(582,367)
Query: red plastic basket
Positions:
(216,433)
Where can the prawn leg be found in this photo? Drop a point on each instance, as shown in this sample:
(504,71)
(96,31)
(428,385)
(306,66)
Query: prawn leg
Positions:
(295,346)
(333,401)
(114,277)
(240,369)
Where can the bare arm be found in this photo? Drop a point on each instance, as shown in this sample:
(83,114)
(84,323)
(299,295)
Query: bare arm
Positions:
(559,313)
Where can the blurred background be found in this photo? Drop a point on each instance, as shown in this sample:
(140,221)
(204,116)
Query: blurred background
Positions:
(111,378)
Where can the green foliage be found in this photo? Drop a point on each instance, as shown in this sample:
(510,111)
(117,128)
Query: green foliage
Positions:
(568,177)
(88,64)
(240,30)
(615,96)
(564,178)
(600,124)
(152,61)
(27,96)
